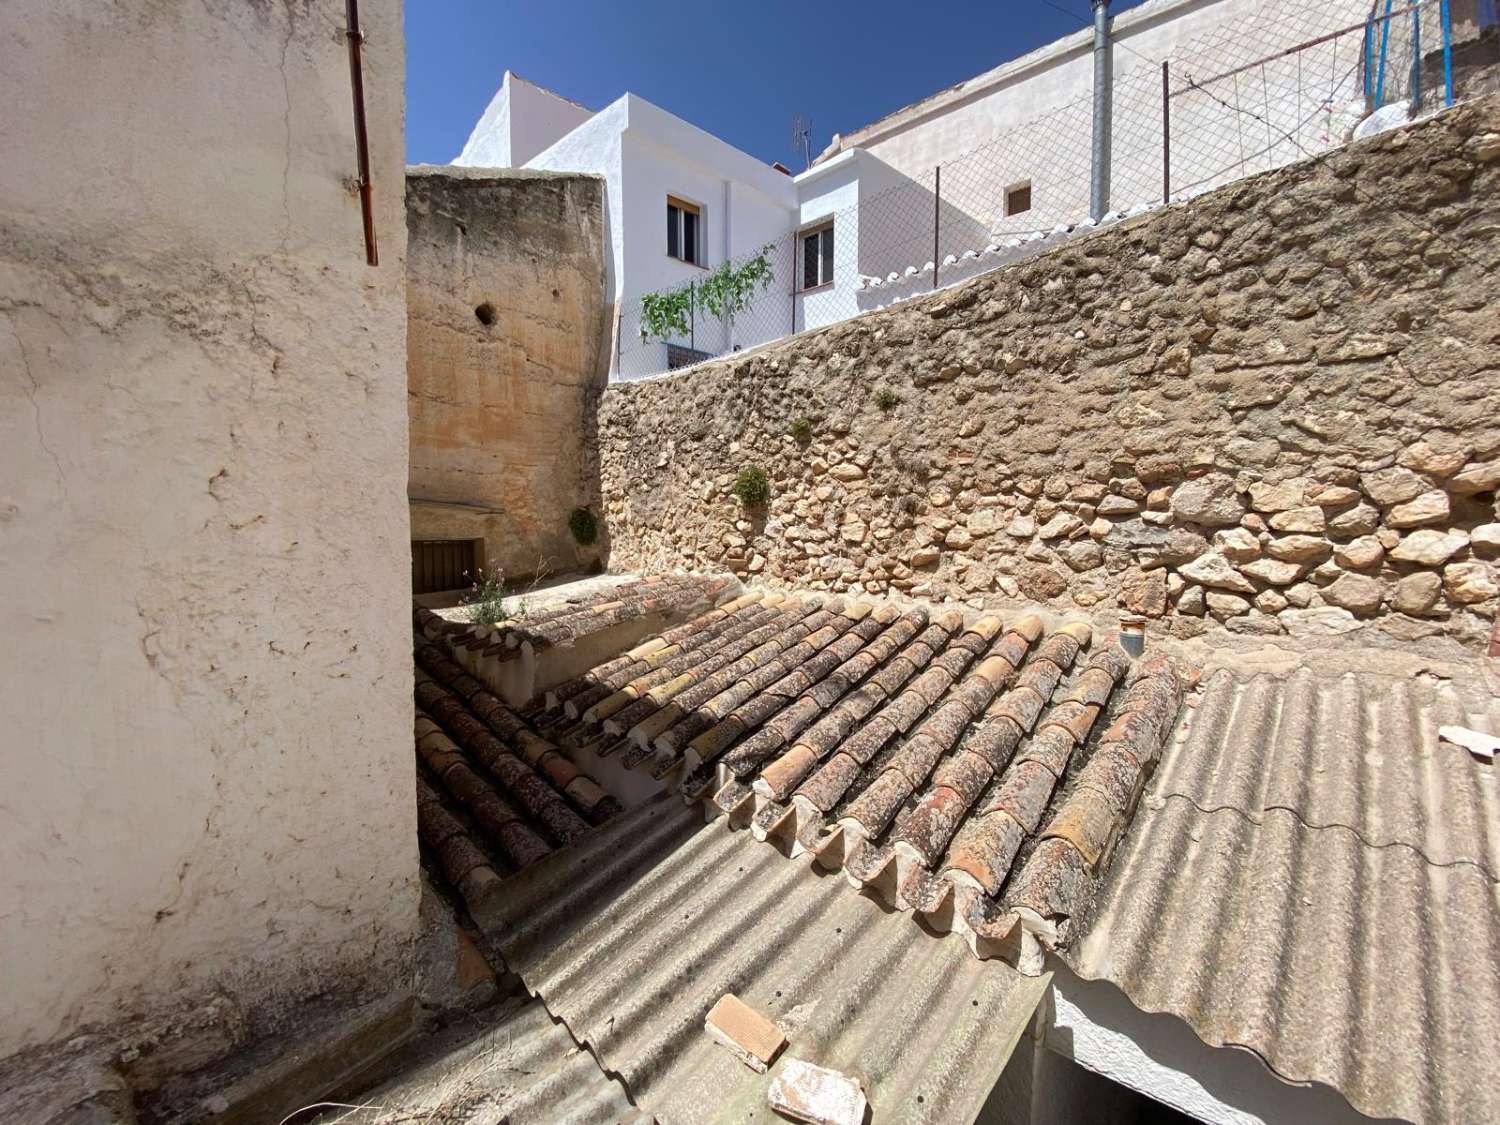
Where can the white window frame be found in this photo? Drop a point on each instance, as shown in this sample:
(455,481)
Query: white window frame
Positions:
(684,207)
(825,261)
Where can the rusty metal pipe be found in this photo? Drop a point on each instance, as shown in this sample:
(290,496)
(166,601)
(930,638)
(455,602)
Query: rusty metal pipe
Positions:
(356,38)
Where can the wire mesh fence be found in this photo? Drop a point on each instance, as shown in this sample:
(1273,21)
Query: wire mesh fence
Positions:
(1282,82)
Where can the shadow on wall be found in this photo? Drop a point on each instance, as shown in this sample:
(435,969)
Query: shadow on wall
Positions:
(506,355)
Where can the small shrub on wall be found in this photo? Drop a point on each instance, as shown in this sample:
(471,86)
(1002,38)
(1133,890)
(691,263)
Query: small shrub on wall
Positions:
(752,487)
(801,429)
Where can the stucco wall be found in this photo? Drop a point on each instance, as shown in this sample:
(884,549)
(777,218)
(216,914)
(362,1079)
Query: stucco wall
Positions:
(500,412)
(645,154)
(1268,409)
(1031,119)
(206,788)
(521,120)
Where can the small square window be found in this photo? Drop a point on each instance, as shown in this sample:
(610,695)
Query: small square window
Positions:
(684,231)
(817,257)
(1017,198)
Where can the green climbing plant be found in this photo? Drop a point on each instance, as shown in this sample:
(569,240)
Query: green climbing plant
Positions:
(726,291)
(666,314)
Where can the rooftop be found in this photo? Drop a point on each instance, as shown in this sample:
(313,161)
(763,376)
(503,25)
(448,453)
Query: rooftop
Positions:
(1290,862)
(1313,876)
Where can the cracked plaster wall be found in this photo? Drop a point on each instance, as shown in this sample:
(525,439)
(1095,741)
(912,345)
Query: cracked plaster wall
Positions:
(206,789)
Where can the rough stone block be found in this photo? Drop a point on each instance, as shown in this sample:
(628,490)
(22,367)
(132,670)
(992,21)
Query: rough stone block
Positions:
(1429,548)
(1210,501)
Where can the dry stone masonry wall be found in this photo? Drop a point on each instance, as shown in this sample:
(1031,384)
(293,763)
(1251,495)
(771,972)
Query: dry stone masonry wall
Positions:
(1274,409)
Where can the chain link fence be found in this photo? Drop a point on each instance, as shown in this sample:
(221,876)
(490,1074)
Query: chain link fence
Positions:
(1279,84)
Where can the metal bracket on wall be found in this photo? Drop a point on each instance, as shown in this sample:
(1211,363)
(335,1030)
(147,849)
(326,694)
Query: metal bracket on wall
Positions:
(356,38)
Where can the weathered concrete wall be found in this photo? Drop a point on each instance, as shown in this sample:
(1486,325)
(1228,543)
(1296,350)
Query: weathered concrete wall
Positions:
(206,791)
(1273,407)
(500,412)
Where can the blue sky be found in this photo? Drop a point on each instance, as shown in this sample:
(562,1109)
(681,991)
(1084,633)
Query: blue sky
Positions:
(738,70)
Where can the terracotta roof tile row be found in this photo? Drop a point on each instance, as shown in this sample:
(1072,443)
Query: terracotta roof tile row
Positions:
(666,664)
(613,693)
(676,677)
(499,818)
(582,692)
(567,621)
(804,699)
(812,641)
(462,862)
(519,757)
(494,796)
(941,766)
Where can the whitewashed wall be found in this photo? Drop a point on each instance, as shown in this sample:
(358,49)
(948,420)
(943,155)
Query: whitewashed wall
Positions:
(207,805)
(1031,119)
(597,146)
(1155,1054)
(521,120)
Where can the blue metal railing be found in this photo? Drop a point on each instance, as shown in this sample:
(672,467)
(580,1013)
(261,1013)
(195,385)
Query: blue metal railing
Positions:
(1378,54)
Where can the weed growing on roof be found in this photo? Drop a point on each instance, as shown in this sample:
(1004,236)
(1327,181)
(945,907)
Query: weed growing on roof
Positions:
(801,429)
(886,399)
(583,525)
(752,487)
(486,600)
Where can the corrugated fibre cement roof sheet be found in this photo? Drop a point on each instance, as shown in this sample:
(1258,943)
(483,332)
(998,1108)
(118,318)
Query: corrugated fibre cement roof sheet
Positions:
(631,935)
(1314,875)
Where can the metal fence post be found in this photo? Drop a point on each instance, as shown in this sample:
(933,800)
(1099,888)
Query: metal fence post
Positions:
(1416,56)
(937,206)
(1166,134)
(1103,110)
(692,319)
(794,283)
(1447,21)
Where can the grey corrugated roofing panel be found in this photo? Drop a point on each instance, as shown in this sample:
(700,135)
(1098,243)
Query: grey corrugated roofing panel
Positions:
(631,936)
(1310,876)
(520,1068)
(1355,750)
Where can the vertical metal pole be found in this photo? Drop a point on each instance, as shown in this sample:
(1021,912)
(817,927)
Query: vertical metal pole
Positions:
(1447,54)
(1385,35)
(795,240)
(1099,174)
(937,207)
(1166,134)
(692,319)
(356,38)
(1416,56)
(1369,57)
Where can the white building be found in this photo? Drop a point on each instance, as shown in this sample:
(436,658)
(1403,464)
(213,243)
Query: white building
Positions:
(1015,142)
(990,170)
(680,202)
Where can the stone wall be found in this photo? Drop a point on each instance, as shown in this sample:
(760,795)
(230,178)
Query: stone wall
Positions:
(1272,408)
(506,351)
(207,809)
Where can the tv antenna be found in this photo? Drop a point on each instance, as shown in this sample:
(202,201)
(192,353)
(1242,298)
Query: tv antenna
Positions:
(802,138)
